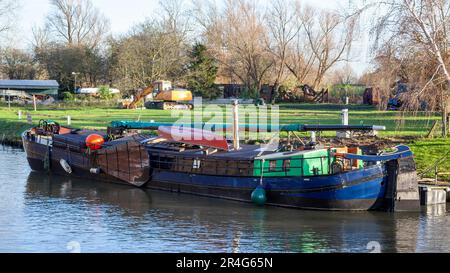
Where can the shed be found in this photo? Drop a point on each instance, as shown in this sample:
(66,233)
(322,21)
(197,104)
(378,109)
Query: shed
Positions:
(30,87)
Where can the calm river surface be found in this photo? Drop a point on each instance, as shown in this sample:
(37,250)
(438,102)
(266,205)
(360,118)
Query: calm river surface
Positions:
(41,213)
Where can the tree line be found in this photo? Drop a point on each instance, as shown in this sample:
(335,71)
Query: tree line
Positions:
(195,43)
(191,43)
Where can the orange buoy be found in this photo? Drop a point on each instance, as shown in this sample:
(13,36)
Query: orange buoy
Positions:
(94,142)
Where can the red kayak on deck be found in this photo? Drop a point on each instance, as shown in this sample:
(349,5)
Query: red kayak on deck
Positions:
(193,136)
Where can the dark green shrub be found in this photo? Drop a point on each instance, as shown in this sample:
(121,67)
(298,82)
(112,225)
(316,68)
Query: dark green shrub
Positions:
(68,96)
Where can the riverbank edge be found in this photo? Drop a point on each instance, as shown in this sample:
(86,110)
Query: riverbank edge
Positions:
(11,131)
(12,141)
(15,143)
(12,137)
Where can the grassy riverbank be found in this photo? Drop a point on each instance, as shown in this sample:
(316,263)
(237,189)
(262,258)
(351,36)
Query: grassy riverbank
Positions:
(410,126)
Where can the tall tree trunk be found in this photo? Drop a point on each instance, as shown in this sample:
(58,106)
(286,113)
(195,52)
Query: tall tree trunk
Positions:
(445,121)
(274,92)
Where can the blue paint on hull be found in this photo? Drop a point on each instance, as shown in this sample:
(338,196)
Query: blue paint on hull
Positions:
(368,190)
(356,190)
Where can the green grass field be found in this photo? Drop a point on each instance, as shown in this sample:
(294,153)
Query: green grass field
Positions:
(398,124)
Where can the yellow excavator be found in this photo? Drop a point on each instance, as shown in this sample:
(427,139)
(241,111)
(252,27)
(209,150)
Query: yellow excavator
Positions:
(163,96)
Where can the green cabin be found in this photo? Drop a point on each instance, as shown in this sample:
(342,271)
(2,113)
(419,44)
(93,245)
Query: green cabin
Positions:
(303,163)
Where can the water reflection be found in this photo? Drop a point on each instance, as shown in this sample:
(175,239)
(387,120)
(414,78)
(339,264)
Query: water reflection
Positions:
(191,223)
(47,213)
(131,201)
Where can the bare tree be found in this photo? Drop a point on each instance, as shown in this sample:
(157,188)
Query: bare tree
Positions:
(141,58)
(345,75)
(154,50)
(236,36)
(330,36)
(41,37)
(59,61)
(211,25)
(7,9)
(283,27)
(176,17)
(301,58)
(77,22)
(17,64)
(419,26)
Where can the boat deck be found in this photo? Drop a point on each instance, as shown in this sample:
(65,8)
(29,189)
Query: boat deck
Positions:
(247,152)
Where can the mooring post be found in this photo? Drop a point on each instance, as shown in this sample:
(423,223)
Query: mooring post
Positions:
(69,120)
(34,102)
(20,114)
(236,125)
(344,116)
(313,137)
(29,119)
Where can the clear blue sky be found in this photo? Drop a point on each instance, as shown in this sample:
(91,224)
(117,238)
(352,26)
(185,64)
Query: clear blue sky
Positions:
(125,13)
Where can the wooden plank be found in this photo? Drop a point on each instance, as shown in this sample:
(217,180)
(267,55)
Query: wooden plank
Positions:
(432,129)
(126,162)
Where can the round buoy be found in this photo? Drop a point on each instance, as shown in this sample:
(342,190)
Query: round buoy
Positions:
(94,142)
(259,196)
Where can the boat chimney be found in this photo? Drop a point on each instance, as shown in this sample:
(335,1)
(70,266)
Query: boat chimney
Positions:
(236,125)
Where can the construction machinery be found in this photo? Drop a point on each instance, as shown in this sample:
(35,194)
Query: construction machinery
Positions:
(163,96)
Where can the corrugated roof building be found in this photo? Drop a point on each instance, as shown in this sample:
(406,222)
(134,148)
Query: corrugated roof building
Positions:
(47,87)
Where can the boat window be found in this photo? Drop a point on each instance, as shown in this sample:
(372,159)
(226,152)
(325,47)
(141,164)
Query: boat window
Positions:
(272,166)
(287,165)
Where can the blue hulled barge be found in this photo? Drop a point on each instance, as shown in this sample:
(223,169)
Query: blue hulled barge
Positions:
(309,176)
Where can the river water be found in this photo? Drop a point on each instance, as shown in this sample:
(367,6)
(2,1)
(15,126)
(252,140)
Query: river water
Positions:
(42,213)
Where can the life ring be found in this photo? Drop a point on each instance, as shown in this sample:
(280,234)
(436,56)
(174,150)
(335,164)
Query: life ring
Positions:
(65,166)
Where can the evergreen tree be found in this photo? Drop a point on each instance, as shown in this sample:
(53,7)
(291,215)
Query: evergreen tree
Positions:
(202,73)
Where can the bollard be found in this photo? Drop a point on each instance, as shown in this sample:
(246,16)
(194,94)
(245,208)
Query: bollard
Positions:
(69,120)
(313,137)
(343,134)
(236,144)
(34,103)
(29,119)
(20,114)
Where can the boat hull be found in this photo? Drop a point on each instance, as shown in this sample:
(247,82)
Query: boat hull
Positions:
(357,190)
(390,186)
(42,158)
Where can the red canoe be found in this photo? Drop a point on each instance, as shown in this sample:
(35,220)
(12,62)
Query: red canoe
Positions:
(193,136)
